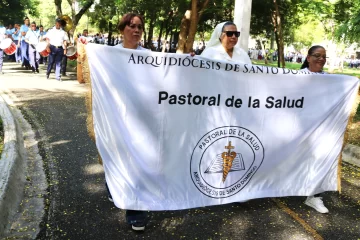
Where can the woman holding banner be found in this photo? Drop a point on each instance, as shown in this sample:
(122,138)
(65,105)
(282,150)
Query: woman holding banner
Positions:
(222,44)
(314,62)
(131,27)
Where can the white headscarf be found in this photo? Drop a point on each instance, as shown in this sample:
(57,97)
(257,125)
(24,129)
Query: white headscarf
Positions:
(214,40)
(215,50)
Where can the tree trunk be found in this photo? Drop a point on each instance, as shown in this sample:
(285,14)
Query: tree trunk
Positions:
(160,34)
(171,40)
(189,24)
(263,50)
(168,28)
(151,31)
(279,33)
(194,19)
(58,7)
(75,17)
(277,44)
(110,34)
(184,32)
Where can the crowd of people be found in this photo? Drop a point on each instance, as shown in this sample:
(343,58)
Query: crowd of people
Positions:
(34,46)
(353,63)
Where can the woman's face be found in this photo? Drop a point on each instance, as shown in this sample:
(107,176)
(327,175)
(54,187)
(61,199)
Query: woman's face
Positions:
(229,42)
(133,32)
(317,60)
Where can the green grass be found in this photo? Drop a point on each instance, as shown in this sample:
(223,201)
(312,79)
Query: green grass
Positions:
(1,136)
(71,64)
(288,65)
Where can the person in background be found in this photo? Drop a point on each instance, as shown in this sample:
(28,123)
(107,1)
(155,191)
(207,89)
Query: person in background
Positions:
(32,38)
(57,44)
(24,45)
(64,63)
(314,62)
(9,32)
(42,33)
(16,37)
(2,37)
(222,44)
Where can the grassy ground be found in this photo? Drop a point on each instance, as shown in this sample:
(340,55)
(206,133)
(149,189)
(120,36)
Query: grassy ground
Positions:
(1,136)
(71,64)
(354,126)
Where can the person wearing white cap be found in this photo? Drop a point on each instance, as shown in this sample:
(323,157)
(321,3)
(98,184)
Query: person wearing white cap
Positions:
(222,44)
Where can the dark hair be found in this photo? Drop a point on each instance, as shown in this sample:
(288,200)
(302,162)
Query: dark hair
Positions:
(126,20)
(310,52)
(26,18)
(33,23)
(41,26)
(228,23)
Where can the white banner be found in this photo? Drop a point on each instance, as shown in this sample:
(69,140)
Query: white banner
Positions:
(178,132)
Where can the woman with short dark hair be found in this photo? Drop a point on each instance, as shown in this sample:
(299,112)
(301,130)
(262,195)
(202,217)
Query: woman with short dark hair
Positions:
(131,27)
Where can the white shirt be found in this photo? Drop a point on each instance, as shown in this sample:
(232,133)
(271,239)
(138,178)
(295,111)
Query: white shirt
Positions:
(57,36)
(138,47)
(32,37)
(2,33)
(219,53)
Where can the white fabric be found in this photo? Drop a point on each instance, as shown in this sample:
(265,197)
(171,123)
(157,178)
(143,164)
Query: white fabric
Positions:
(215,50)
(308,70)
(164,154)
(138,47)
(215,36)
(57,36)
(218,52)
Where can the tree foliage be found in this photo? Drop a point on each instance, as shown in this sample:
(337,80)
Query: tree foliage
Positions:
(347,17)
(303,22)
(82,5)
(14,11)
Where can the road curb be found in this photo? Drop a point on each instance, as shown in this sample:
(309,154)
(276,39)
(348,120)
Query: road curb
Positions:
(351,154)
(12,167)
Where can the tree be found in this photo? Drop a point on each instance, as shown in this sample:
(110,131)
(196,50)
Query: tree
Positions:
(347,17)
(85,5)
(105,12)
(308,33)
(189,24)
(281,18)
(14,11)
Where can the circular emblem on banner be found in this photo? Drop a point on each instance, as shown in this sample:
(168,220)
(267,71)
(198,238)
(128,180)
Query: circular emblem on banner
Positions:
(224,161)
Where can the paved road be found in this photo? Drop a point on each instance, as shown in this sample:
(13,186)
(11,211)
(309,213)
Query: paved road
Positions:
(77,205)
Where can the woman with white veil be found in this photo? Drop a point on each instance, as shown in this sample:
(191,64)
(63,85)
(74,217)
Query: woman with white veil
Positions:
(222,44)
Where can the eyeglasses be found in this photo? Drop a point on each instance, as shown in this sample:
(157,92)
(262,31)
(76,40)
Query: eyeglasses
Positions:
(318,56)
(139,26)
(231,33)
